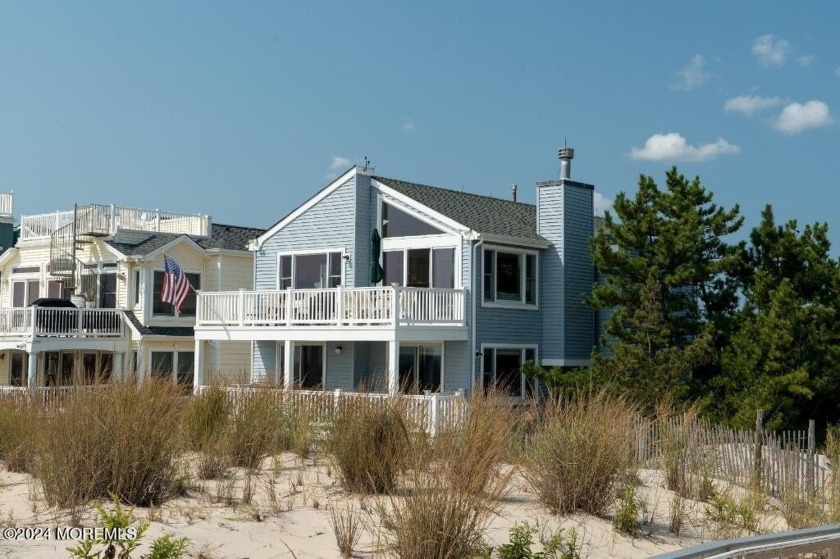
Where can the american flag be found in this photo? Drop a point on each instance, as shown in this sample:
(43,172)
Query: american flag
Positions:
(176,286)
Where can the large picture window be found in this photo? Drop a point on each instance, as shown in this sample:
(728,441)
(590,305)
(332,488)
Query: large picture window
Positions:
(421,267)
(501,370)
(510,277)
(188,309)
(397,223)
(309,271)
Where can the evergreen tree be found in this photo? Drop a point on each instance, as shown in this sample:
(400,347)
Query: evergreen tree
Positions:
(785,356)
(666,272)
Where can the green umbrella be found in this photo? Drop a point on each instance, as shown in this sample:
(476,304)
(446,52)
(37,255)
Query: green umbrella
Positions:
(376,271)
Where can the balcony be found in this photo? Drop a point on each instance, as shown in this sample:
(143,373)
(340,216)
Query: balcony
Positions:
(102,219)
(40,322)
(337,310)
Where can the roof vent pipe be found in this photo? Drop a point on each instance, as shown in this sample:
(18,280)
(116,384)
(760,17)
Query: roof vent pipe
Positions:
(513,193)
(566,155)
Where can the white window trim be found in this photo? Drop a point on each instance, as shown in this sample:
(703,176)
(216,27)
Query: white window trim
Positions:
(421,241)
(442,346)
(294,253)
(522,348)
(512,304)
(152,295)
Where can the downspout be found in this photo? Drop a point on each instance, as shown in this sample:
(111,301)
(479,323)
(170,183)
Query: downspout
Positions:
(474,298)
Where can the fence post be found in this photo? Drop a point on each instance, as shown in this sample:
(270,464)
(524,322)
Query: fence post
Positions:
(809,479)
(336,399)
(759,439)
(434,414)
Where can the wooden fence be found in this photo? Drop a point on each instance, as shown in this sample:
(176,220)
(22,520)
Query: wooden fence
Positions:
(775,462)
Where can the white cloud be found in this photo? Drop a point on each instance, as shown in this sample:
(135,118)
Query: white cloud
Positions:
(337,163)
(601,204)
(750,104)
(408,125)
(673,147)
(771,50)
(796,117)
(805,60)
(694,74)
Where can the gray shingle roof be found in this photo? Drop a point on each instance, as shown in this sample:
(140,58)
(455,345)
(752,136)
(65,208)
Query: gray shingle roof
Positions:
(158,330)
(483,214)
(141,243)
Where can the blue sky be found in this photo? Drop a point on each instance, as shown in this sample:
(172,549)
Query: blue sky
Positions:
(243,110)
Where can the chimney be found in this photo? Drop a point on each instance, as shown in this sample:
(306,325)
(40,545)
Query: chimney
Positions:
(566,155)
(513,193)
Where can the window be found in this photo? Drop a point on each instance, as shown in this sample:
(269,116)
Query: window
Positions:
(97,367)
(510,277)
(108,291)
(307,365)
(136,287)
(420,368)
(174,366)
(18,372)
(161,308)
(24,292)
(397,223)
(310,271)
(502,370)
(162,363)
(186,364)
(420,267)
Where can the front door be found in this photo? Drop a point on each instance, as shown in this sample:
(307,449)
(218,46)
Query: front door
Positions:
(309,367)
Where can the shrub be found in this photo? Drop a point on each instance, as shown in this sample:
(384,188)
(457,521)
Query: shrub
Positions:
(559,546)
(581,451)
(253,428)
(368,444)
(451,486)
(119,439)
(205,429)
(19,423)
(626,519)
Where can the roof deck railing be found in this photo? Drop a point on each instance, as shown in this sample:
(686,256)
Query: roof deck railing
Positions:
(42,226)
(6,199)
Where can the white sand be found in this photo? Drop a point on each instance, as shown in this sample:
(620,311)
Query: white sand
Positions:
(296,523)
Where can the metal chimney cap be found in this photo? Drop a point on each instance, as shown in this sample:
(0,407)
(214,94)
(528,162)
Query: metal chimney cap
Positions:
(566,153)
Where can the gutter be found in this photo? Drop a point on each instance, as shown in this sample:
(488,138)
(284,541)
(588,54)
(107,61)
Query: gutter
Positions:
(474,298)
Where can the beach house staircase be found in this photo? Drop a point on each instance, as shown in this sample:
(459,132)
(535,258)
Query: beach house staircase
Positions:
(89,221)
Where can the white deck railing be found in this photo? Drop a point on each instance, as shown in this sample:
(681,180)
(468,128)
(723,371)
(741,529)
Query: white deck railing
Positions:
(433,412)
(64,322)
(115,218)
(6,199)
(368,306)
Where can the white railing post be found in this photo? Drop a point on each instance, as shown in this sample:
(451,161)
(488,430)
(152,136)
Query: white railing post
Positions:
(289,306)
(241,307)
(336,400)
(339,306)
(112,228)
(157,220)
(80,321)
(32,326)
(395,304)
(434,414)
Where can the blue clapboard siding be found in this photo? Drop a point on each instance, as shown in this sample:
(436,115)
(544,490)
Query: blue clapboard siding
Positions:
(339,366)
(578,270)
(329,224)
(370,370)
(496,325)
(550,224)
(265,360)
(456,356)
(365,222)
(565,219)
